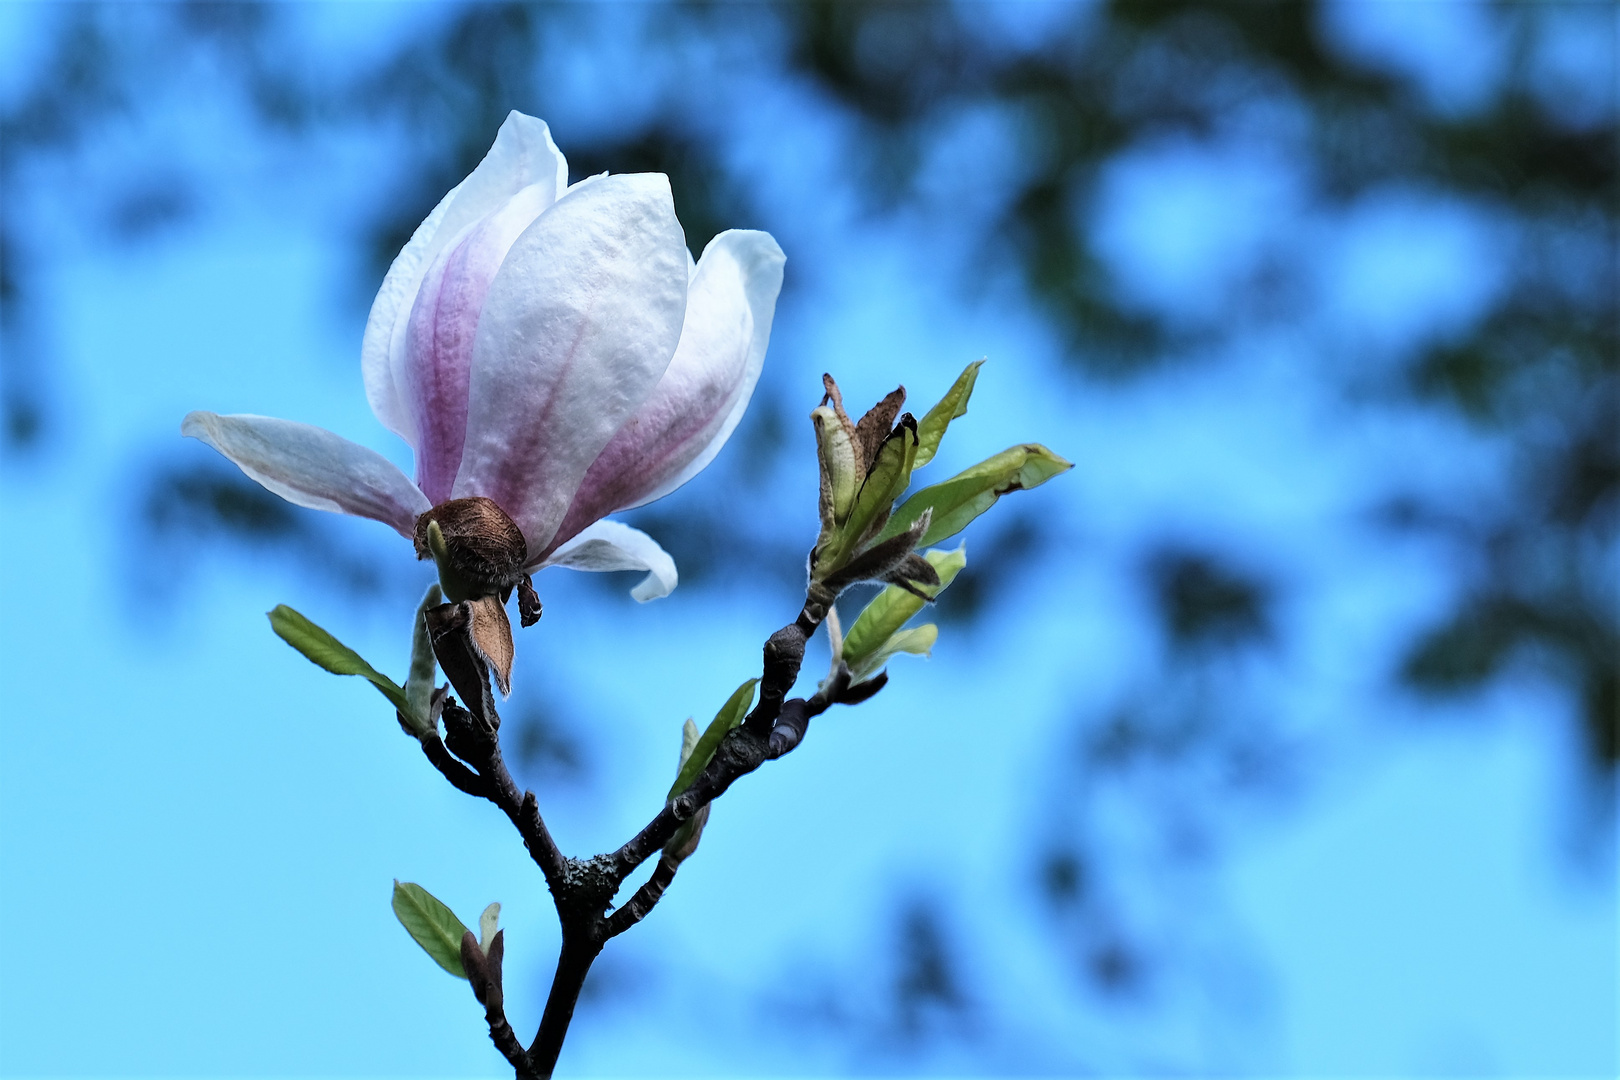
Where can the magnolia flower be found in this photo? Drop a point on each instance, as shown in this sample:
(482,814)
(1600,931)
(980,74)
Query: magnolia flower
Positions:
(552,355)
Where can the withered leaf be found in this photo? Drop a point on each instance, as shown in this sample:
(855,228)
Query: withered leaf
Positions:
(877,425)
(492,633)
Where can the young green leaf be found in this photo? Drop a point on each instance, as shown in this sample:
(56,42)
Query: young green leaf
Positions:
(729,716)
(969,493)
(419,683)
(684,842)
(918,640)
(890,473)
(890,609)
(931,429)
(434,926)
(456,586)
(324,650)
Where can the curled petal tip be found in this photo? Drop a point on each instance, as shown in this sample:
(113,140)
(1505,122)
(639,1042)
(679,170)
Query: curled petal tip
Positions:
(613,545)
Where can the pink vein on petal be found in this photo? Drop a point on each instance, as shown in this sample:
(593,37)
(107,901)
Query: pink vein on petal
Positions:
(443,323)
(621,474)
(523,460)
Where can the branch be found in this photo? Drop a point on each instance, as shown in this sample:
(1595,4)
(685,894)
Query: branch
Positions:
(473,735)
(470,757)
(636,908)
(484,972)
(774,728)
(454,771)
(573,964)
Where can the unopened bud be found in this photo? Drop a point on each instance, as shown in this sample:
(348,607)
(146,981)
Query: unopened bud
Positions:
(488,923)
(840,470)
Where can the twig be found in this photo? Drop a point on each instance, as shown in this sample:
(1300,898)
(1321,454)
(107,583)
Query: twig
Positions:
(470,757)
(636,908)
(484,972)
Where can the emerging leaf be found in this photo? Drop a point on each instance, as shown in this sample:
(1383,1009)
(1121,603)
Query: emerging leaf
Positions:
(689,741)
(969,493)
(835,633)
(326,651)
(488,923)
(889,475)
(434,926)
(931,429)
(890,609)
(730,715)
(456,588)
(918,640)
(419,683)
(685,840)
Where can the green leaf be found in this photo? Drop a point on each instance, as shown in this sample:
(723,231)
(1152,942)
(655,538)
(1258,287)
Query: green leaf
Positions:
(969,493)
(932,427)
(890,609)
(419,684)
(729,716)
(324,650)
(434,926)
(918,640)
(889,475)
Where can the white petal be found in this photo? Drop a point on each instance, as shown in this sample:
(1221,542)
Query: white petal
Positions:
(612,545)
(312,467)
(523,154)
(435,365)
(578,327)
(729,312)
(694,408)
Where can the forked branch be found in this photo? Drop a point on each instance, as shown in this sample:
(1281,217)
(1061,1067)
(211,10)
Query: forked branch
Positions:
(469,756)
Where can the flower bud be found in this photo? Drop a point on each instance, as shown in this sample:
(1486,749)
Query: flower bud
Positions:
(840,472)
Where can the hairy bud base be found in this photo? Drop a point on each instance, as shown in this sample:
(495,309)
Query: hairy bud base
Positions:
(485,548)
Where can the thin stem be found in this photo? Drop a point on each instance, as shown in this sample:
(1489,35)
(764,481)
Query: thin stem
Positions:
(484,972)
(636,908)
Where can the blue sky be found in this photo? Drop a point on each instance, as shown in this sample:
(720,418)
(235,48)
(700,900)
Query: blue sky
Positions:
(199,830)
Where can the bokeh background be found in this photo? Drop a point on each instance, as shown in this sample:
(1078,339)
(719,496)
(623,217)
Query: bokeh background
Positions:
(1279,737)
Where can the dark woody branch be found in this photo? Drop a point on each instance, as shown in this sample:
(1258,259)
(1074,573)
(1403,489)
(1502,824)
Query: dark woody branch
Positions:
(469,756)
(472,736)
(774,728)
(636,908)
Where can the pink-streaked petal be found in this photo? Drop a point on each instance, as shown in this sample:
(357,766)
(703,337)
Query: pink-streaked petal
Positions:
(523,155)
(612,545)
(312,467)
(695,407)
(439,336)
(578,327)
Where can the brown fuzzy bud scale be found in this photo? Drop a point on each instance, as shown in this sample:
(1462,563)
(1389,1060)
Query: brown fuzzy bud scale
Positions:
(486,548)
